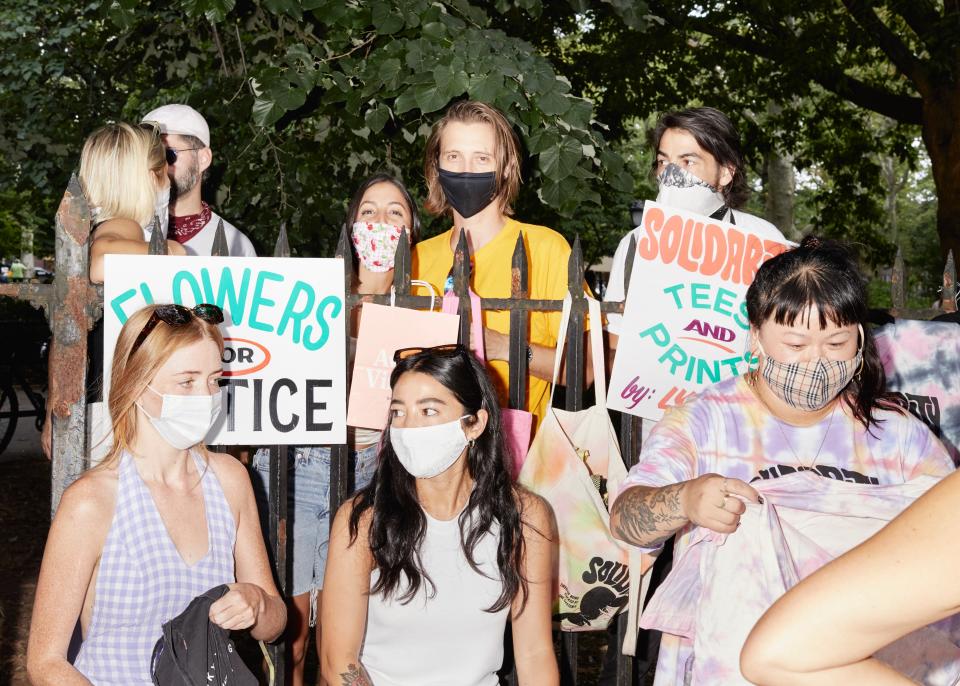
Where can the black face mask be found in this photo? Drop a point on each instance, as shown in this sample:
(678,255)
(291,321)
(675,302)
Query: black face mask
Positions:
(468,192)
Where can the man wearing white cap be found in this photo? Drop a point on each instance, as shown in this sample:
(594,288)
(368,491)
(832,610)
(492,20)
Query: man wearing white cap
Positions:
(192,223)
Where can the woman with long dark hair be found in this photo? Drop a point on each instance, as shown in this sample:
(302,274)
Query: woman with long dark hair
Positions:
(428,561)
(815,402)
(379,212)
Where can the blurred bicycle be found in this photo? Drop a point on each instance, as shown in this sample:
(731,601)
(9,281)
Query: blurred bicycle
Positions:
(23,363)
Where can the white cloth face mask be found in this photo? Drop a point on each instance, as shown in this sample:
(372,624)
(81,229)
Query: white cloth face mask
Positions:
(426,451)
(683,190)
(184,419)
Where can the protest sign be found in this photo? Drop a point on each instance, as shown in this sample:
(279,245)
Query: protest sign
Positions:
(284,357)
(685,320)
(384,330)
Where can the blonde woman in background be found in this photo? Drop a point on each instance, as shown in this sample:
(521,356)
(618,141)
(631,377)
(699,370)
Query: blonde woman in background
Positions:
(159,521)
(123,171)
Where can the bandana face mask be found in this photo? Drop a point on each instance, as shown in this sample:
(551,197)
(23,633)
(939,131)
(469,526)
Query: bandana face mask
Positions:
(681,189)
(809,385)
(376,244)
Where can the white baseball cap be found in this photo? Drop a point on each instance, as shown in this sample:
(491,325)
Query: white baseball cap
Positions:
(181,120)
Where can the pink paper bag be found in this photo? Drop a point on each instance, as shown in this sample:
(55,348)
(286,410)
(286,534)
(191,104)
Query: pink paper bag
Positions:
(383,331)
(516,424)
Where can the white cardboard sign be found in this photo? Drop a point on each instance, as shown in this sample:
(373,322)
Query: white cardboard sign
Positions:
(284,357)
(685,319)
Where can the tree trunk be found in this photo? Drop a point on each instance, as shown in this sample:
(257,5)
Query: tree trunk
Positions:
(941,112)
(780,190)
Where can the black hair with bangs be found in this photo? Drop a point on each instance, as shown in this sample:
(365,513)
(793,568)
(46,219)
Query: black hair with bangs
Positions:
(822,273)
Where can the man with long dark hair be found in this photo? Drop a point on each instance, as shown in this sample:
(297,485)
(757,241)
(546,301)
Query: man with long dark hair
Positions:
(699,168)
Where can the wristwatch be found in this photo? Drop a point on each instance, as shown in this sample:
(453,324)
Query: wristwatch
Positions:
(529,354)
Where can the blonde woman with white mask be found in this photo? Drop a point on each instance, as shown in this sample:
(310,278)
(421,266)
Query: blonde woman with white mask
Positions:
(123,172)
(159,521)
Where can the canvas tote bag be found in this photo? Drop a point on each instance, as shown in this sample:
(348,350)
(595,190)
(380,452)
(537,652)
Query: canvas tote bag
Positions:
(573,453)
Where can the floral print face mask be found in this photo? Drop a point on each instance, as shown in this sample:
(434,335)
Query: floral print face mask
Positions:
(376,244)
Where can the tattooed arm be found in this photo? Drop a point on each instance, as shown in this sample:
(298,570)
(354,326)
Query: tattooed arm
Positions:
(343,612)
(355,675)
(648,516)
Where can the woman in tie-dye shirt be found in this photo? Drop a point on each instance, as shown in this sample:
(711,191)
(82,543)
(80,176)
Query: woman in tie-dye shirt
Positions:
(815,402)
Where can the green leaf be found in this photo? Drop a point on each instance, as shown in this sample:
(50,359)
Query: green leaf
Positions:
(434,31)
(386,19)
(553,104)
(487,88)
(429,98)
(377,118)
(389,72)
(558,162)
(405,102)
(266,112)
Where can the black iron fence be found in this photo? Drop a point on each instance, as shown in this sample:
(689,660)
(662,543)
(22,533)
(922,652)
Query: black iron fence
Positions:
(72,305)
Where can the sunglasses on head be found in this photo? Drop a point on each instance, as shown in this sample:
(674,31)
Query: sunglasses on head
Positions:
(176,315)
(447,350)
(172,154)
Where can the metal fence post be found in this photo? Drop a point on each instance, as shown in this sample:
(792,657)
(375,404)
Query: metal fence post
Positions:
(574,358)
(76,306)
(279,457)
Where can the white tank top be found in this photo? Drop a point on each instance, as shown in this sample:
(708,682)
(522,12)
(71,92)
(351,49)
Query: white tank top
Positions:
(445,639)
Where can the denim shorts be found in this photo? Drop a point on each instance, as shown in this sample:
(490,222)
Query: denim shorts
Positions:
(308,506)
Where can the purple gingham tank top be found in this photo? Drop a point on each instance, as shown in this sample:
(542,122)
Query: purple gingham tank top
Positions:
(143,582)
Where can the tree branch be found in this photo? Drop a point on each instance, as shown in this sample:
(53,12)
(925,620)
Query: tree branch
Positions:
(921,16)
(903,108)
(891,44)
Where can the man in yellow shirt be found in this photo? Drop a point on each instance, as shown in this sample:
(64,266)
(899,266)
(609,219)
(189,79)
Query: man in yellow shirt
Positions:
(472,169)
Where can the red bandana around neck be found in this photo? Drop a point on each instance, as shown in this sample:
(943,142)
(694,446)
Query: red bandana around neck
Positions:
(182,229)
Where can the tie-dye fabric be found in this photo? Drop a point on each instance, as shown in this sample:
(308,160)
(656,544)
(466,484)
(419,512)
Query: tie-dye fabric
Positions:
(726,430)
(922,362)
(804,522)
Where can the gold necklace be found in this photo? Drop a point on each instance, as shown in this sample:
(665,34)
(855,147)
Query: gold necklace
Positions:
(752,381)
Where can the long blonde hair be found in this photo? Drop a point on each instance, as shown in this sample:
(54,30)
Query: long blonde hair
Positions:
(121,167)
(132,373)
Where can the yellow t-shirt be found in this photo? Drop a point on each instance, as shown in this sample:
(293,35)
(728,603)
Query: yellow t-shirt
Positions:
(547,257)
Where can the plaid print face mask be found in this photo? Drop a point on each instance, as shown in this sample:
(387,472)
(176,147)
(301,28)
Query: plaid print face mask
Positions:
(809,385)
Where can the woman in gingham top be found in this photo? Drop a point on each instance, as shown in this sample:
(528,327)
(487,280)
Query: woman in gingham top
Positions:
(159,521)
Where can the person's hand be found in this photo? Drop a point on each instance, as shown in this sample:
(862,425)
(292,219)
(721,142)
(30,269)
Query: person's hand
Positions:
(174,248)
(239,608)
(716,502)
(496,344)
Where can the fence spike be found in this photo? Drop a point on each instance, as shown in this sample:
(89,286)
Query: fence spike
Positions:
(282,246)
(519,325)
(628,267)
(345,252)
(158,242)
(220,247)
(401,265)
(575,269)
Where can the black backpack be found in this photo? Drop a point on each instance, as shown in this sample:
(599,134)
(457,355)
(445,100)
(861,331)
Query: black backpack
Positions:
(194,651)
